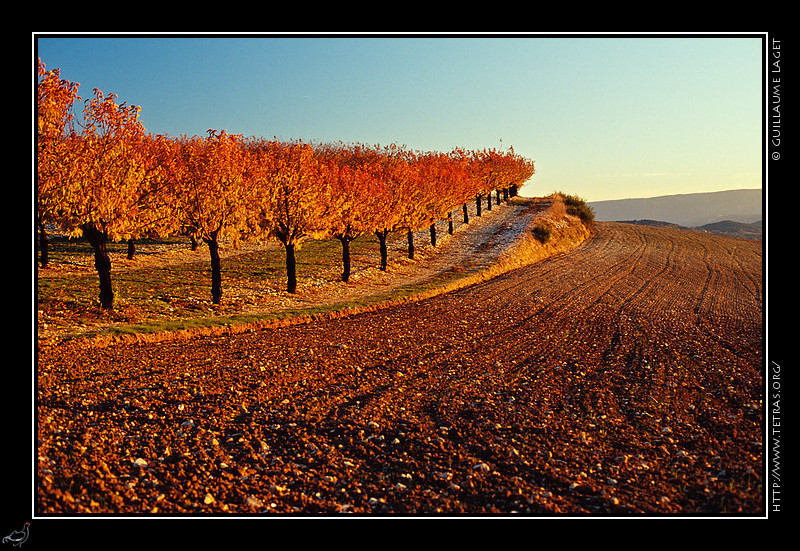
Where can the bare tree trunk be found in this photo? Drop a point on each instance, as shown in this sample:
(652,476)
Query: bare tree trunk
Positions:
(291,269)
(102,263)
(381,235)
(410,237)
(345,257)
(216,269)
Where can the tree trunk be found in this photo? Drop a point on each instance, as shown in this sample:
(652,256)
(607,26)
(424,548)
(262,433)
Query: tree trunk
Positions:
(216,269)
(102,263)
(44,246)
(410,244)
(131,249)
(450,223)
(381,234)
(478,205)
(291,269)
(466,214)
(345,257)
(505,194)
(194,242)
(489,201)
(433,234)
(498,196)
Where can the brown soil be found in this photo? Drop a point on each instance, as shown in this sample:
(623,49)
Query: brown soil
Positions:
(621,377)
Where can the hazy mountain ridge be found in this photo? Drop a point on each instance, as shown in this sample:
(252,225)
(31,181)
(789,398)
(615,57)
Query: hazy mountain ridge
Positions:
(728,228)
(690,210)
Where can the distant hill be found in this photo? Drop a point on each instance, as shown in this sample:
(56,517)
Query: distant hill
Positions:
(728,228)
(690,210)
(734,229)
(654,223)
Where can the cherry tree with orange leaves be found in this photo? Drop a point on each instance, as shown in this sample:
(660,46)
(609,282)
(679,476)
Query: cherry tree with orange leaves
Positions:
(214,194)
(354,201)
(395,187)
(104,193)
(293,199)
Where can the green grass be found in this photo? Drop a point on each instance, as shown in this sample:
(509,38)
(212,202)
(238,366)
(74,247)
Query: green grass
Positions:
(178,296)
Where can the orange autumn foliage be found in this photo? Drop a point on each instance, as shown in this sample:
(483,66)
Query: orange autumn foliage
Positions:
(108,177)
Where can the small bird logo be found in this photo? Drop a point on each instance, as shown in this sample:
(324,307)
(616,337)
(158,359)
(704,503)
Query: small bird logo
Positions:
(18,537)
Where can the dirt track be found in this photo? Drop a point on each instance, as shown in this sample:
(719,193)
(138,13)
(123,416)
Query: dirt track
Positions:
(622,377)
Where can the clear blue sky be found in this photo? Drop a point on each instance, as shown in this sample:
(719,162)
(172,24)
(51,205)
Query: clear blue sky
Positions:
(603,117)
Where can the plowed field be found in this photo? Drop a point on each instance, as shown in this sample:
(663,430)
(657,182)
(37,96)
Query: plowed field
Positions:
(623,377)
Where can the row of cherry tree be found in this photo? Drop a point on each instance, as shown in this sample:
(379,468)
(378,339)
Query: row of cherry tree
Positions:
(106,178)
